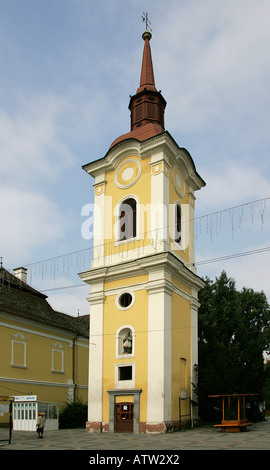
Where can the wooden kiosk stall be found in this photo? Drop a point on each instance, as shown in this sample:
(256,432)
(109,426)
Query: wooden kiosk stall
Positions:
(233,412)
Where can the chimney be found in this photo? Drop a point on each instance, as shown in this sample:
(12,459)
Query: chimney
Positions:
(20,273)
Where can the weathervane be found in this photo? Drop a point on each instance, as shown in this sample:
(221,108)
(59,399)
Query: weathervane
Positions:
(147,22)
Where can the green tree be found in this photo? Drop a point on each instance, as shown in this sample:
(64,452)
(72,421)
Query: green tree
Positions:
(73,415)
(266,386)
(234,333)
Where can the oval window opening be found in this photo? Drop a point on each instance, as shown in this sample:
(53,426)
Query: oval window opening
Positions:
(125,299)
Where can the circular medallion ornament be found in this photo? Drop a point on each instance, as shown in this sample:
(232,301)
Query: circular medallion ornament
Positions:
(178,182)
(128,173)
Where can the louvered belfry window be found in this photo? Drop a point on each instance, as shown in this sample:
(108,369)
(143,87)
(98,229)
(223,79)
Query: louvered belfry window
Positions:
(178,223)
(128,219)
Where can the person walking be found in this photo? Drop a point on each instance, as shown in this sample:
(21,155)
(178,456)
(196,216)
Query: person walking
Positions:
(41,420)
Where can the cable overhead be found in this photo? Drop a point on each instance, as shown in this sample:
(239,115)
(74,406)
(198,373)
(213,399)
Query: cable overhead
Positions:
(232,256)
(212,222)
(198,263)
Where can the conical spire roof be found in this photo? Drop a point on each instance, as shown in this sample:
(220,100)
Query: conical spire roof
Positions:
(147,106)
(147,71)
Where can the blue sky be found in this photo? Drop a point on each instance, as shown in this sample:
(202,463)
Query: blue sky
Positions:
(67,70)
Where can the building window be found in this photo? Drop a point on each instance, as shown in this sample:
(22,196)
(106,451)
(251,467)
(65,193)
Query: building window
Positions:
(57,358)
(125,373)
(125,300)
(178,224)
(124,376)
(128,219)
(18,351)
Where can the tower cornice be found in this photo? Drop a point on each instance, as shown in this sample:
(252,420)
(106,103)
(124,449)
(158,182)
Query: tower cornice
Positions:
(163,142)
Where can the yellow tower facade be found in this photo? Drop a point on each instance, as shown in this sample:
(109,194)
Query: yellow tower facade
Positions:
(143,295)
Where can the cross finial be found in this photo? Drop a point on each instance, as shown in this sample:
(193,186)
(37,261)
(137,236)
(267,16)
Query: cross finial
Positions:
(147,22)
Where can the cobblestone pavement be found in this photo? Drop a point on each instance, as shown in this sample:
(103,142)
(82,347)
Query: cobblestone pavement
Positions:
(257,437)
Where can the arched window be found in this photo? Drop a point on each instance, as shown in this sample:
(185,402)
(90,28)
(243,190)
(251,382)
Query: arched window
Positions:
(178,223)
(128,219)
(125,338)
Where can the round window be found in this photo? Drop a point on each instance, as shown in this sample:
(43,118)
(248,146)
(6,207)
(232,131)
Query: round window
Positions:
(125,299)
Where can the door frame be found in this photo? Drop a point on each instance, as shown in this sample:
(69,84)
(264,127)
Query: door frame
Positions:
(136,401)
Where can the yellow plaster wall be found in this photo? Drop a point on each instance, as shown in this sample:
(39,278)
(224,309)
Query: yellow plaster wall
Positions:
(141,189)
(126,282)
(173,197)
(181,344)
(137,317)
(124,398)
(181,285)
(82,354)
(38,368)
(37,357)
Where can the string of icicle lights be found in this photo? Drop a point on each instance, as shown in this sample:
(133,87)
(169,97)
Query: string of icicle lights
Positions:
(210,224)
(213,221)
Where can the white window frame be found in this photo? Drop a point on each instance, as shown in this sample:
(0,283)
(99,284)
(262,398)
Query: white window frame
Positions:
(123,384)
(118,337)
(178,245)
(57,347)
(19,338)
(117,220)
(118,297)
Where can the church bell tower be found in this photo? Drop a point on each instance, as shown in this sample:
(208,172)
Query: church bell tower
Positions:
(143,283)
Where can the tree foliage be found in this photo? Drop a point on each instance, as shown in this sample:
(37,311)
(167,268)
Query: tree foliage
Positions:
(73,415)
(266,386)
(234,333)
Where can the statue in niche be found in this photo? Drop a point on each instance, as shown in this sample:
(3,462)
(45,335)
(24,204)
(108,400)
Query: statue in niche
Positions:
(127,343)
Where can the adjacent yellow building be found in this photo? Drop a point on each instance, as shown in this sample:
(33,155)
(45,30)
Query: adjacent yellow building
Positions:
(143,296)
(43,352)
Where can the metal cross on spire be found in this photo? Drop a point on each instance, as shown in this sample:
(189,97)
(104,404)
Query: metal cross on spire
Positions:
(147,21)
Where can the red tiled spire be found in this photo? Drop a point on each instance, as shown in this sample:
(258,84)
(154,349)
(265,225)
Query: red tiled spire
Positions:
(147,72)
(147,106)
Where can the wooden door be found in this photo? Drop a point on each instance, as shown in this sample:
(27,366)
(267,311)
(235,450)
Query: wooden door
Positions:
(124,413)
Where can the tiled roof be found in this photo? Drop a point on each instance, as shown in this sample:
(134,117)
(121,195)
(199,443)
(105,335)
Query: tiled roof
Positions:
(18,298)
(141,133)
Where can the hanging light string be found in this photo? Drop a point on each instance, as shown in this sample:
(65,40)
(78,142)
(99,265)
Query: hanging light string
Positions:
(208,223)
(233,212)
(198,263)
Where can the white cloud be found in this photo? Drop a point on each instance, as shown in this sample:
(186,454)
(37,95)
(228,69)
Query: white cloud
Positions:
(34,156)
(32,146)
(29,220)
(232,182)
(210,60)
(70,301)
(251,271)
(211,63)
(66,295)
